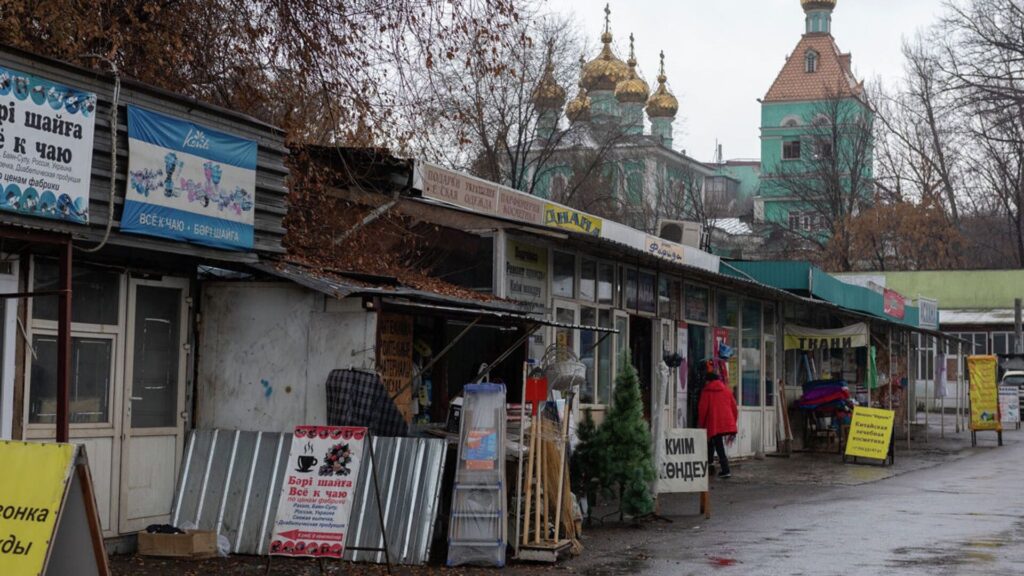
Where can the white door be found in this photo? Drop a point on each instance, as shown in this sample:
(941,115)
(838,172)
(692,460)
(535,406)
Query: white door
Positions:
(770,394)
(154,413)
(8,319)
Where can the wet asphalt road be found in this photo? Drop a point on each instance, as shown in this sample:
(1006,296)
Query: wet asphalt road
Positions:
(962,517)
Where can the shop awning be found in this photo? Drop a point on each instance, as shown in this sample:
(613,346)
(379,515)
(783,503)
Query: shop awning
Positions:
(414,307)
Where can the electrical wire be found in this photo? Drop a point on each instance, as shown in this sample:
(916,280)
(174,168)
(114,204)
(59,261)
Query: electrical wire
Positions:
(113,152)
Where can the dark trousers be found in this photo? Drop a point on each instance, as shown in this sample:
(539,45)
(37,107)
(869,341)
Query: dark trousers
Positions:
(717,444)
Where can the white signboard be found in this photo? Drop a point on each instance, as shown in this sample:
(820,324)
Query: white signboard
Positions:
(317,491)
(928,313)
(1009,404)
(46,137)
(683,461)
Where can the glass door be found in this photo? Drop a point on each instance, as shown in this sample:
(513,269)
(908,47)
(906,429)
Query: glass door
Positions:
(154,415)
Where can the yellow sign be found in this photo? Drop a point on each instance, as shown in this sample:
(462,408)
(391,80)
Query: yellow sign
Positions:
(33,483)
(984,393)
(870,433)
(559,216)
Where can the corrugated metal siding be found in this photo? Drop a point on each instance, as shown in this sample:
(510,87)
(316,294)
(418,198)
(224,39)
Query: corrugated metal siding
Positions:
(231,481)
(409,470)
(271,192)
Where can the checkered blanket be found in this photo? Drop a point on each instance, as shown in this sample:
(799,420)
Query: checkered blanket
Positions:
(358,398)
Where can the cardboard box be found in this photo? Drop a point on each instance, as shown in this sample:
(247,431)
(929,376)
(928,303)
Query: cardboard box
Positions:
(196,544)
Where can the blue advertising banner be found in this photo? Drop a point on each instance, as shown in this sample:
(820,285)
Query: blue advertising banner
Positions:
(188,182)
(46,138)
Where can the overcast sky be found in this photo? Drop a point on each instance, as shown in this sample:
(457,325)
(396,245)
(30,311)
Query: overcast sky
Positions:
(722,55)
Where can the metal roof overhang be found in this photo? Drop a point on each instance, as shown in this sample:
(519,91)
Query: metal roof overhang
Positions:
(414,307)
(416,301)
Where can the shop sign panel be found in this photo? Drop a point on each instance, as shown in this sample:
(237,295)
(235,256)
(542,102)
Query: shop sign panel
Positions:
(893,304)
(809,339)
(981,371)
(317,491)
(189,182)
(558,216)
(46,140)
(870,433)
(394,359)
(1009,405)
(526,272)
(683,461)
(928,313)
(477,195)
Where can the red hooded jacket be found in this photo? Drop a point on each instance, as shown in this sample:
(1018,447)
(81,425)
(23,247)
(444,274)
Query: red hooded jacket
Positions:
(717,412)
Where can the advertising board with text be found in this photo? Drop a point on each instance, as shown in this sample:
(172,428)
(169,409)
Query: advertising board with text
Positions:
(870,433)
(46,139)
(317,492)
(189,182)
(984,392)
(683,461)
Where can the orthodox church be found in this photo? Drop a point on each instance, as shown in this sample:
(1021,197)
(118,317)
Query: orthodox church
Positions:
(594,152)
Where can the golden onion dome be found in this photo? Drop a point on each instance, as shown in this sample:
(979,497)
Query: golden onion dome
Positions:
(605,71)
(548,94)
(632,89)
(578,108)
(812,4)
(662,104)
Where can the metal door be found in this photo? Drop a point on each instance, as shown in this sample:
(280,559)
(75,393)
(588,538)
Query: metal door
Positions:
(154,413)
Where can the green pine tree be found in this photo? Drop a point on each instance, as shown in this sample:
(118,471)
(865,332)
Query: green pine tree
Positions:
(626,441)
(585,465)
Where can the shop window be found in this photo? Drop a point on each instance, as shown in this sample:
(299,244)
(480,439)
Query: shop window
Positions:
(750,351)
(95,293)
(728,310)
(791,150)
(605,283)
(769,372)
(605,375)
(769,319)
(588,280)
(1003,342)
(630,286)
(664,297)
(588,355)
(695,303)
(647,300)
(564,281)
(89,392)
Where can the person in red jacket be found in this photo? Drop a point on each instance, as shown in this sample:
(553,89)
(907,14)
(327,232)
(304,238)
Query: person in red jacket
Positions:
(717,413)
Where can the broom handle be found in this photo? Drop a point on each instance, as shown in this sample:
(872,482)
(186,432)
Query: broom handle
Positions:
(561,464)
(529,482)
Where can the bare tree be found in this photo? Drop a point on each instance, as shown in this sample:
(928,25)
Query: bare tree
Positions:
(919,141)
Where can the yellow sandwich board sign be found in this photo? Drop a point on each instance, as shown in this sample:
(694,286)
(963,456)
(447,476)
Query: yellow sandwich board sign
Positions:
(870,433)
(48,521)
(984,386)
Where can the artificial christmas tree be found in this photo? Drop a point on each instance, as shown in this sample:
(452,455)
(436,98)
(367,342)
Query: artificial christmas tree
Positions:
(626,461)
(585,466)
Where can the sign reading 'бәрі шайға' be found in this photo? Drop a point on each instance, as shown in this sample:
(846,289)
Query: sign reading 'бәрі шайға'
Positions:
(46,139)
(317,491)
(189,182)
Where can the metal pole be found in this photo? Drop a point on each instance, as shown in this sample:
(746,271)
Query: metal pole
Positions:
(960,355)
(927,398)
(63,341)
(1019,344)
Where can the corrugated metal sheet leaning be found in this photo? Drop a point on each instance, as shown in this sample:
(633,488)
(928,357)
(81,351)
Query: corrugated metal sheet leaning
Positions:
(231,481)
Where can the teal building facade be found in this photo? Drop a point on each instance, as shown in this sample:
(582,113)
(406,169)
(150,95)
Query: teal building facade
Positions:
(815,89)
